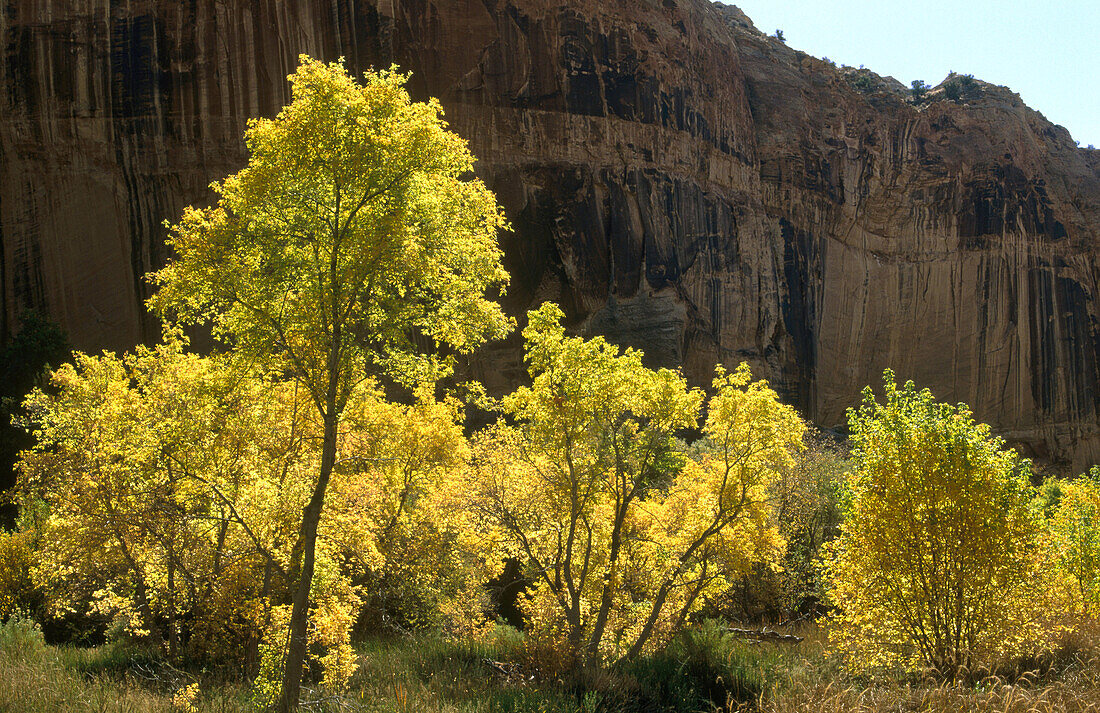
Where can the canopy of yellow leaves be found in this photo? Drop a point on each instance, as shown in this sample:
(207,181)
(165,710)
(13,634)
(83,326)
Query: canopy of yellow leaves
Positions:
(624,533)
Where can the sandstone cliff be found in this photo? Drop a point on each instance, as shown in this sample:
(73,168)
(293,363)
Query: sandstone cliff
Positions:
(675,179)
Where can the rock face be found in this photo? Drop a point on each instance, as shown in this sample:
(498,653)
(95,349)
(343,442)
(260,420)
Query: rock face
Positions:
(677,180)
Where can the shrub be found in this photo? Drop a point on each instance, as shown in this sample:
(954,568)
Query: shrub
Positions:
(21,638)
(704,668)
(918,89)
(806,502)
(623,534)
(939,543)
(809,513)
(17,587)
(959,86)
(716,664)
(861,81)
(1075,533)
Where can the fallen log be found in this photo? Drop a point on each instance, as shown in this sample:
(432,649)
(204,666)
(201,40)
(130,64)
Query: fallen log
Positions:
(766,635)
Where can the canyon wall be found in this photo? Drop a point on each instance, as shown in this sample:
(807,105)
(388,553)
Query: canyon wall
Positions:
(674,178)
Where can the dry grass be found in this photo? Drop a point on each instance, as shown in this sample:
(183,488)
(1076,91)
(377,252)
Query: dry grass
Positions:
(1067,681)
(991,696)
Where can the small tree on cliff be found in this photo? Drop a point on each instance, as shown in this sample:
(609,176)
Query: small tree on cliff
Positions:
(347,239)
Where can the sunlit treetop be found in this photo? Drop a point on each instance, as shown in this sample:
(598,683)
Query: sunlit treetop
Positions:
(353,233)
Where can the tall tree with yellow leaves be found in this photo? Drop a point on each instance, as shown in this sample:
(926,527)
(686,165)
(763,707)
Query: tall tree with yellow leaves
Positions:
(348,239)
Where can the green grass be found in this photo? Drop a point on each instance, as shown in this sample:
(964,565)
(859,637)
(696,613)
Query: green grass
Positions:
(114,678)
(424,674)
(703,671)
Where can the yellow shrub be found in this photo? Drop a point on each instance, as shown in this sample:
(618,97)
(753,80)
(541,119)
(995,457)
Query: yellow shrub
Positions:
(1075,532)
(938,557)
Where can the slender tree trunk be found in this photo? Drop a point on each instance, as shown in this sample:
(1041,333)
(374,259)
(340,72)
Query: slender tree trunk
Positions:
(298,641)
(592,654)
(173,635)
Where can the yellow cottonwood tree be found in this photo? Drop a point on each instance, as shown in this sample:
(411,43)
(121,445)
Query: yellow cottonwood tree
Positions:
(715,521)
(620,532)
(350,238)
(938,552)
(166,489)
(392,515)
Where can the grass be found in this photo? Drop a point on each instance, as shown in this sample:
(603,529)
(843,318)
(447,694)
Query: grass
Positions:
(704,671)
(1067,681)
(54,682)
(992,695)
(114,678)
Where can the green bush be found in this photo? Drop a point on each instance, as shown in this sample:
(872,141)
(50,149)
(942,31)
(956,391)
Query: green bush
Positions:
(807,505)
(959,86)
(21,638)
(704,668)
(862,82)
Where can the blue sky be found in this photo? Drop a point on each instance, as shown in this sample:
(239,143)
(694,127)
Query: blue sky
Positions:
(1047,52)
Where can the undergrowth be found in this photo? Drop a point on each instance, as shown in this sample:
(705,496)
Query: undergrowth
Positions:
(704,670)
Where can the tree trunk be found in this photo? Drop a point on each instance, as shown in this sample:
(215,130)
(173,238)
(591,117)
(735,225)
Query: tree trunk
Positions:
(173,635)
(298,641)
(592,653)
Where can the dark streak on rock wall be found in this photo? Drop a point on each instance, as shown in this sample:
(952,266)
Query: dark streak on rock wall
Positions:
(678,181)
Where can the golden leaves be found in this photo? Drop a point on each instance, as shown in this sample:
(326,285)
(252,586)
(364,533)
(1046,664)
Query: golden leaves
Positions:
(352,231)
(623,533)
(938,547)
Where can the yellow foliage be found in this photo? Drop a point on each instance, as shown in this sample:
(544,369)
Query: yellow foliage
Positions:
(17,588)
(183,700)
(1075,535)
(353,244)
(393,514)
(622,533)
(937,562)
(170,488)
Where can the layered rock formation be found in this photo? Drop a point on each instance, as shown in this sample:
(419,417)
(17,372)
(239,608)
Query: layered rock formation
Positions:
(674,178)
